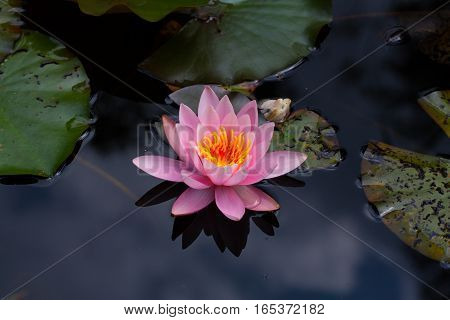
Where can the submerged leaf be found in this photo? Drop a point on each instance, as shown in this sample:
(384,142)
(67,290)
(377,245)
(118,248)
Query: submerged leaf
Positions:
(410,192)
(435,41)
(431,35)
(9,26)
(437,105)
(44,106)
(151,10)
(240,41)
(305,131)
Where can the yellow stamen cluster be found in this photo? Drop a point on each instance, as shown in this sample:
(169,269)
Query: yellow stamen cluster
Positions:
(224,148)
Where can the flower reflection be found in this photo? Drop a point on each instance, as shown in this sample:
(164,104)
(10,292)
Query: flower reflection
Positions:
(227,234)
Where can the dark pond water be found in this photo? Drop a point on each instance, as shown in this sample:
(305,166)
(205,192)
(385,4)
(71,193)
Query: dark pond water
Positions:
(307,257)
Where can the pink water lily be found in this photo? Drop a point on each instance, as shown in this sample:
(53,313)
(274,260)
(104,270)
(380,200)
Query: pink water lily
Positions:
(221,155)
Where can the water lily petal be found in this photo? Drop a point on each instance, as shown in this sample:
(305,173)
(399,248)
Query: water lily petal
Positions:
(195,180)
(267,203)
(257,171)
(185,135)
(255,176)
(250,109)
(188,117)
(187,143)
(249,196)
(201,132)
(207,99)
(172,137)
(229,202)
(195,160)
(245,123)
(236,177)
(192,200)
(263,138)
(208,117)
(218,175)
(224,107)
(160,167)
(284,161)
(230,122)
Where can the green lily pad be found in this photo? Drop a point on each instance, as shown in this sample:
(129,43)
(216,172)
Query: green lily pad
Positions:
(44,106)
(437,105)
(240,41)
(190,96)
(410,192)
(151,10)
(9,26)
(305,131)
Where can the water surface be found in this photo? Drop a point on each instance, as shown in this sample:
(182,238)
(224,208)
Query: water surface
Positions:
(309,257)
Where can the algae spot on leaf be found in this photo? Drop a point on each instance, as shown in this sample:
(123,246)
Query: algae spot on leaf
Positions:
(9,26)
(411,193)
(305,131)
(240,41)
(437,105)
(44,106)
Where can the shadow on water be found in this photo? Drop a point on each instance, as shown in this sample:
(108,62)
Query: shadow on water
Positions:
(226,233)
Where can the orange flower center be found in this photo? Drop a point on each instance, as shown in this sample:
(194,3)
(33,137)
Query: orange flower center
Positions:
(224,148)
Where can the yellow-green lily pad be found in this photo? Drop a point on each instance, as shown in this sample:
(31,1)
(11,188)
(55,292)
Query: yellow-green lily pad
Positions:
(305,131)
(411,193)
(437,105)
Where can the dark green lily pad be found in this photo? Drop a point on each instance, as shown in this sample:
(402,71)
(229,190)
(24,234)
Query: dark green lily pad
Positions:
(151,10)
(410,192)
(240,41)
(44,106)
(9,26)
(306,131)
(190,96)
(437,105)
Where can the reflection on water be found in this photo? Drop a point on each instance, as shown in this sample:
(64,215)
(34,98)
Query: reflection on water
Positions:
(163,192)
(309,257)
(227,234)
